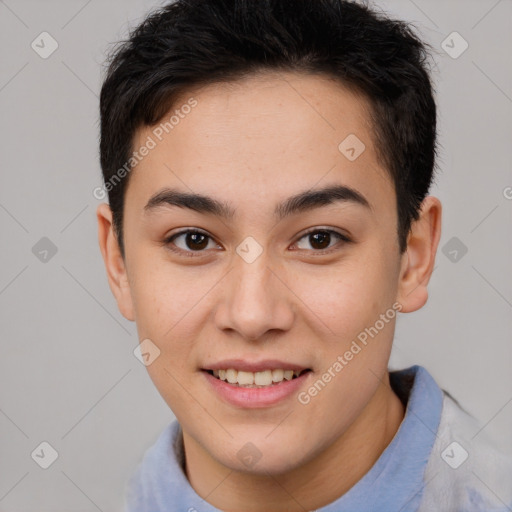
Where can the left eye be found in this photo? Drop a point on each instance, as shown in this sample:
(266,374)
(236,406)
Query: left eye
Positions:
(320,239)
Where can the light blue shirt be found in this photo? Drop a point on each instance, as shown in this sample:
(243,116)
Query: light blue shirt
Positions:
(439,460)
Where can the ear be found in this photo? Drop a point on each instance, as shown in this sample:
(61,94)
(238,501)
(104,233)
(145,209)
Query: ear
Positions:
(114,263)
(418,260)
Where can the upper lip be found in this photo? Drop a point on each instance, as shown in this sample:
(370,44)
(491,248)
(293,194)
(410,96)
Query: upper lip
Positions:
(254,366)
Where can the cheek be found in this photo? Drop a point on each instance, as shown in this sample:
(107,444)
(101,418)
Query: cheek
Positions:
(167,308)
(163,295)
(347,297)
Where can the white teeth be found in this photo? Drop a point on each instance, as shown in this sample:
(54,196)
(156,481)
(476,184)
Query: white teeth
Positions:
(245,378)
(277,375)
(231,376)
(256,379)
(288,374)
(263,378)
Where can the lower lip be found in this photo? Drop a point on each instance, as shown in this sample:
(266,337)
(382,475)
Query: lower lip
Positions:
(256,397)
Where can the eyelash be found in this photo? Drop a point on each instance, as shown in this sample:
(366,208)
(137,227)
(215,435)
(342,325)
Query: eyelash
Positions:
(168,242)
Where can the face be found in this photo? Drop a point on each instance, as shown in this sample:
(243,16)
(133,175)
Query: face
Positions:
(288,257)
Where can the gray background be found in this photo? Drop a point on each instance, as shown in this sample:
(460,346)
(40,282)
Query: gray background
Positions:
(68,373)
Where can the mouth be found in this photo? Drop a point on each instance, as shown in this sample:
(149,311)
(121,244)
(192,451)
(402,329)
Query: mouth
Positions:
(261,379)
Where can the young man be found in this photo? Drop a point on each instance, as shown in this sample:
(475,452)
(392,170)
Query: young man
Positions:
(268,164)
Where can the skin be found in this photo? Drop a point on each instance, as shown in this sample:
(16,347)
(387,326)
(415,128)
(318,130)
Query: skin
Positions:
(252,144)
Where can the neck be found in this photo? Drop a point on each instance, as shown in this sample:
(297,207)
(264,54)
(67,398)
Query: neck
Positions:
(313,485)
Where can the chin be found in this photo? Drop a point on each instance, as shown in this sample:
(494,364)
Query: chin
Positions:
(266,457)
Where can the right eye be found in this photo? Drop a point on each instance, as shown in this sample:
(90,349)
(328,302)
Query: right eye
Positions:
(189,241)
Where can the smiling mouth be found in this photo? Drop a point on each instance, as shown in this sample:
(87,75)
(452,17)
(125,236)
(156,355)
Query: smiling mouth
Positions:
(263,379)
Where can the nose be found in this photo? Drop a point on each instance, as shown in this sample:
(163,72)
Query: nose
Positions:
(255,300)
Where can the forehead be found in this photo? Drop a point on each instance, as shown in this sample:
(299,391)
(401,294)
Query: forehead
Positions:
(260,139)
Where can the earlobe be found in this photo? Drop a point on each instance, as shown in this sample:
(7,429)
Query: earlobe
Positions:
(418,261)
(114,263)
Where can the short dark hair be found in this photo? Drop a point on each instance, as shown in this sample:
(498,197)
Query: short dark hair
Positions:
(190,43)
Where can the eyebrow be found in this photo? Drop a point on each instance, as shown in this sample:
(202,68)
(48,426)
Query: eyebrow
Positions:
(301,202)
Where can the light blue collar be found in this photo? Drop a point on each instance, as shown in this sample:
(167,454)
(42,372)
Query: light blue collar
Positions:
(395,481)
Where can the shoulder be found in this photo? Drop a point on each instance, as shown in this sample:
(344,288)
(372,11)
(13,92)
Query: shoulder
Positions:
(466,471)
(144,491)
